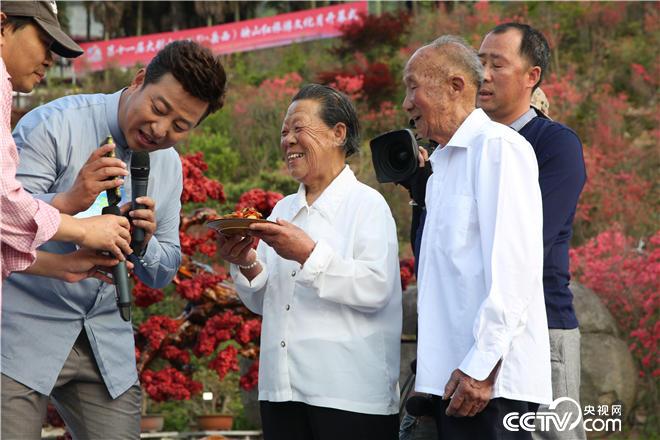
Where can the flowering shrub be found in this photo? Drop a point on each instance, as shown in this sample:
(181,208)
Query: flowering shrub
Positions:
(215,327)
(196,186)
(382,119)
(378,83)
(377,35)
(407,268)
(626,277)
(168,384)
(262,201)
(350,85)
(258,112)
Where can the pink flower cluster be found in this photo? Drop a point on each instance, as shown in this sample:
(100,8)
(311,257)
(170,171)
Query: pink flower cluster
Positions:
(193,288)
(218,329)
(407,268)
(227,360)
(168,384)
(250,379)
(196,186)
(145,295)
(156,328)
(257,198)
(627,278)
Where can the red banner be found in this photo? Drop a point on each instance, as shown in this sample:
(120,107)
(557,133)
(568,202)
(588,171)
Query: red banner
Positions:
(242,36)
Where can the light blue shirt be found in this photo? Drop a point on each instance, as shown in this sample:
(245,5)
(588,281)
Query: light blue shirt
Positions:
(42,317)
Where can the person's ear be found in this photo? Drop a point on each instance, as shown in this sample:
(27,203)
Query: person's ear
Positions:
(3,18)
(138,80)
(457,84)
(533,76)
(339,132)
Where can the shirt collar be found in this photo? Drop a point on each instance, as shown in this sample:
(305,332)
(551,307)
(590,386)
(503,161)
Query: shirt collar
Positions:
(112,113)
(523,120)
(331,197)
(470,125)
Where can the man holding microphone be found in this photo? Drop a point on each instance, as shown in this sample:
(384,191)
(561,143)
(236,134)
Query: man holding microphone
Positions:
(73,346)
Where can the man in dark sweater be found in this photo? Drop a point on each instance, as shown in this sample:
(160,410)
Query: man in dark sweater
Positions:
(515,58)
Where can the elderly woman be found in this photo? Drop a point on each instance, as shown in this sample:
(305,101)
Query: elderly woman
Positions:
(325,277)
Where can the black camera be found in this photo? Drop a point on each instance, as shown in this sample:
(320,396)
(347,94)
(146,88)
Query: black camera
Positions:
(394,155)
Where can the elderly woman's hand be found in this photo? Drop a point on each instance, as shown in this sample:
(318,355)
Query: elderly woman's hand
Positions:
(288,240)
(236,249)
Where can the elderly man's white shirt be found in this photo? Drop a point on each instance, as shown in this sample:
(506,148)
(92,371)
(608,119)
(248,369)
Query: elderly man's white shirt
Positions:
(481,265)
(331,331)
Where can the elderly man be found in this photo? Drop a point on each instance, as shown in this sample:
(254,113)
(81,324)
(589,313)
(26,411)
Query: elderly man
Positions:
(483,347)
(515,57)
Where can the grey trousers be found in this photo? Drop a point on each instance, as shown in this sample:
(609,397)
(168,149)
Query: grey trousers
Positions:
(565,362)
(80,397)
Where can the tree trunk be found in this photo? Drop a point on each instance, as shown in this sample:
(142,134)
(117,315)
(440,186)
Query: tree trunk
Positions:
(88,20)
(140,8)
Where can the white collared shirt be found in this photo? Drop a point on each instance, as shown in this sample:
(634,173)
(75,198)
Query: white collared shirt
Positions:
(481,265)
(331,331)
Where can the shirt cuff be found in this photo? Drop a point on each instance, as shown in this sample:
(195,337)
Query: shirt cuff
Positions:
(316,263)
(479,364)
(47,220)
(151,256)
(48,198)
(241,281)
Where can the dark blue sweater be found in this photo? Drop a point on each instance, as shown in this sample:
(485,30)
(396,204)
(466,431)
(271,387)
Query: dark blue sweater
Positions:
(562,176)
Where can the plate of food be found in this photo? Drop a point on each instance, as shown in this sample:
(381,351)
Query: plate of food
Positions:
(237,222)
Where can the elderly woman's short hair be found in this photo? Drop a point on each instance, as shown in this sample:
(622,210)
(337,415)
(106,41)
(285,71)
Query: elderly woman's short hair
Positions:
(335,107)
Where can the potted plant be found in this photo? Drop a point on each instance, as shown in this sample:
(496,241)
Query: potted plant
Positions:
(215,406)
(197,327)
(159,386)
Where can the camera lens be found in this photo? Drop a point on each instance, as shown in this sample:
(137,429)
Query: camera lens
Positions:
(398,159)
(394,155)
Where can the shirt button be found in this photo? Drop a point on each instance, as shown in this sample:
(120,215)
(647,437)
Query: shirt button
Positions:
(293,273)
(283,344)
(287,307)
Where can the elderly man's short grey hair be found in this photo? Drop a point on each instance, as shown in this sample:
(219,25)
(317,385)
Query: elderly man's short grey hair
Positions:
(460,54)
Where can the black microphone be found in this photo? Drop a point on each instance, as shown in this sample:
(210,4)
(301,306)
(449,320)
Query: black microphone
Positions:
(120,276)
(139,184)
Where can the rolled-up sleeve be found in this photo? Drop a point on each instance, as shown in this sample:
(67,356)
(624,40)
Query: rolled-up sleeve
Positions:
(510,221)
(26,222)
(365,280)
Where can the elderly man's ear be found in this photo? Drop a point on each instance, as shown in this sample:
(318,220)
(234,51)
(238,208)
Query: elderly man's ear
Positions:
(457,84)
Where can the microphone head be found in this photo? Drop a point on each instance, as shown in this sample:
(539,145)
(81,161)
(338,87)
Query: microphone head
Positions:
(140,165)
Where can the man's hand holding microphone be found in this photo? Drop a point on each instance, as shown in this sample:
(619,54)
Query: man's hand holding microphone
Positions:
(111,231)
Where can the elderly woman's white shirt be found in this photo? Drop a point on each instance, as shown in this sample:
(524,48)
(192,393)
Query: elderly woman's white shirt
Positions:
(331,330)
